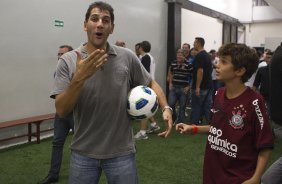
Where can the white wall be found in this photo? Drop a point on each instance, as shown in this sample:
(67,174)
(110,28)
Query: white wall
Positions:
(265,14)
(257,33)
(197,25)
(239,9)
(29,43)
(242,10)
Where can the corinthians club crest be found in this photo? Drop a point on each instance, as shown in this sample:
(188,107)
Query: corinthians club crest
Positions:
(237,120)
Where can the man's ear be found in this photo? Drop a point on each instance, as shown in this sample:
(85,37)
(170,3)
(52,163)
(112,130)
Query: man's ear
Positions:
(240,72)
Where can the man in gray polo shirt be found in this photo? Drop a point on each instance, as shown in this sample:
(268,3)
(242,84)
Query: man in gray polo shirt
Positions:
(93,81)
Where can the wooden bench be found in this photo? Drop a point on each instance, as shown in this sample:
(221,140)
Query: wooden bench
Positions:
(37,120)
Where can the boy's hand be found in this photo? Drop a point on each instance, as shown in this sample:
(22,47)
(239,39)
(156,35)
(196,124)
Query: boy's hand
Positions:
(184,128)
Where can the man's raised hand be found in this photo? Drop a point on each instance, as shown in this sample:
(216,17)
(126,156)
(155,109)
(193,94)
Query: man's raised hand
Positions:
(88,66)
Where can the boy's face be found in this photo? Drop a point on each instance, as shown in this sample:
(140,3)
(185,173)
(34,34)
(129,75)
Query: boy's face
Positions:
(98,28)
(225,70)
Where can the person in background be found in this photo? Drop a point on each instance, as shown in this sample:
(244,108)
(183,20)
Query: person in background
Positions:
(120,43)
(186,50)
(261,82)
(149,63)
(216,83)
(137,46)
(62,127)
(93,81)
(190,61)
(201,84)
(239,135)
(178,74)
(273,175)
(262,63)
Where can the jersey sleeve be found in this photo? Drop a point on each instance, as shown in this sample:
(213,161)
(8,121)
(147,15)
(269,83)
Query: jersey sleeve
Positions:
(263,134)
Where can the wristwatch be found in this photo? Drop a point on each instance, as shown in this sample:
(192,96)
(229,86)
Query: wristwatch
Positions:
(167,107)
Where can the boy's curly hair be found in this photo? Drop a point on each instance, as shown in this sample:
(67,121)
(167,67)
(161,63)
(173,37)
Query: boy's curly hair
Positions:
(242,56)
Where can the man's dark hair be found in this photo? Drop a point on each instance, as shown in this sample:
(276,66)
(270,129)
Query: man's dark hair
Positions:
(269,53)
(146,46)
(186,44)
(66,46)
(212,51)
(242,56)
(201,41)
(137,44)
(102,6)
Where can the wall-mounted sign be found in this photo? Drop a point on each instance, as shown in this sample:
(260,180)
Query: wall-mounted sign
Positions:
(59,23)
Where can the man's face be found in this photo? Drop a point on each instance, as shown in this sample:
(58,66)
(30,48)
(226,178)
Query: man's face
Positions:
(196,45)
(213,55)
(180,57)
(98,28)
(137,47)
(61,51)
(185,48)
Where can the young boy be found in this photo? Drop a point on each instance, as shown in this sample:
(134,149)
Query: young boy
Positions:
(239,135)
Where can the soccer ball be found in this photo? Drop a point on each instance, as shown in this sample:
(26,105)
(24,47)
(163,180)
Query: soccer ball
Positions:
(142,103)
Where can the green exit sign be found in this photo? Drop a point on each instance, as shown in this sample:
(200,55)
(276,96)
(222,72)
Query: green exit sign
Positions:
(59,23)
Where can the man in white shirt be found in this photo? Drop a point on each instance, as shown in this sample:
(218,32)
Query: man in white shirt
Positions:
(149,63)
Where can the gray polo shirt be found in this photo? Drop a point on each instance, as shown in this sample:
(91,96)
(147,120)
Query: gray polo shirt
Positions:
(102,127)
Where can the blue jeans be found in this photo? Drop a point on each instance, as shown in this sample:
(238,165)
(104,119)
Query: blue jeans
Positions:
(201,105)
(119,170)
(62,127)
(177,94)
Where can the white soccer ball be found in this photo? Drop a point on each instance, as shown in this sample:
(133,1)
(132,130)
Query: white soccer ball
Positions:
(142,103)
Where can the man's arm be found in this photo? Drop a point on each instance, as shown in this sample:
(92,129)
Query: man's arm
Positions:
(85,68)
(200,73)
(169,78)
(261,164)
(167,113)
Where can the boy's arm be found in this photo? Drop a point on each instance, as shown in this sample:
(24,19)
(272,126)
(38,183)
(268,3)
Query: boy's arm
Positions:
(192,129)
(261,164)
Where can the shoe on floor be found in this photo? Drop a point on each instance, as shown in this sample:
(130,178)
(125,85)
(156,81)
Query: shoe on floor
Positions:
(140,136)
(48,180)
(153,129)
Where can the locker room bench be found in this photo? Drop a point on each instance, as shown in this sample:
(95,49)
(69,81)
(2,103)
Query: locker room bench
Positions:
(29,121)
